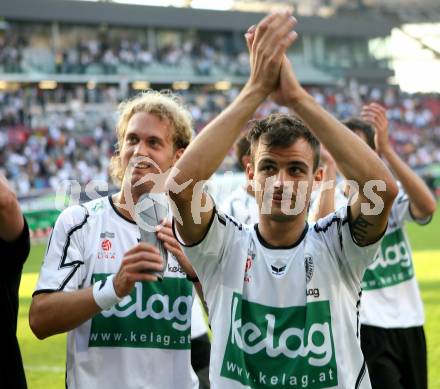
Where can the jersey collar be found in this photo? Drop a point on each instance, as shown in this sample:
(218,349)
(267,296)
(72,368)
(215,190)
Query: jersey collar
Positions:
(291,246)
(119,213)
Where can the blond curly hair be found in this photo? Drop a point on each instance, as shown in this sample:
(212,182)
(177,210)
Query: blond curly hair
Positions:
(164,105)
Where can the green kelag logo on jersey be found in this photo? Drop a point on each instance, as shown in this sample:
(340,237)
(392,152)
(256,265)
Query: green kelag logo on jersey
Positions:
(392,264)
(280,347)
(155,315)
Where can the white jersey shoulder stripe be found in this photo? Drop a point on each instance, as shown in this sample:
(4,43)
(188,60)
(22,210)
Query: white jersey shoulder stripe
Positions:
(63,264)
(328,223)
(74,264)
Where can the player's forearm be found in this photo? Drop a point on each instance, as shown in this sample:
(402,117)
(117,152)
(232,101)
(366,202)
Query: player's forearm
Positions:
(205,154)
(355,159)
(11,218)
(58,312)
(421,199)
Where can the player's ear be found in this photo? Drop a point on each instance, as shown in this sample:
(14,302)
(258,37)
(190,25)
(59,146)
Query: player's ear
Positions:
(245,160)
(319,174)
(177,154)
(250,171)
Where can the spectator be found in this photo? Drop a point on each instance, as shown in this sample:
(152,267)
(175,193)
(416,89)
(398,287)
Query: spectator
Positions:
(15,246)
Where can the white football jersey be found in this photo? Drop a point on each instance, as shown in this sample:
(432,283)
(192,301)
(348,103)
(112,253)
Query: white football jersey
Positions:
(199,326)
(142,342)
(241,205)
(391,296)
(390,293)
(283,317)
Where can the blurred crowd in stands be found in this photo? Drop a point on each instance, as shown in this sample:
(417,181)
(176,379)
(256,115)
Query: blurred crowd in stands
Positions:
(11,50)
(108,55)
(68,133)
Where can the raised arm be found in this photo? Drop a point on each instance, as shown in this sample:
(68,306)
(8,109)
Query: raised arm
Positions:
(421,200)
(354,158)
(204,155)
(325,199)
(172,245)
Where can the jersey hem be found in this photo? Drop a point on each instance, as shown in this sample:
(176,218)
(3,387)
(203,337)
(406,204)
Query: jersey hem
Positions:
(41,291)
(399,327)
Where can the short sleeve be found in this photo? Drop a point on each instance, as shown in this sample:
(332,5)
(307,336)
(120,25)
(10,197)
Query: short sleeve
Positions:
(336,232)
(401,210)
(226,206)
(207,255)
(63,267)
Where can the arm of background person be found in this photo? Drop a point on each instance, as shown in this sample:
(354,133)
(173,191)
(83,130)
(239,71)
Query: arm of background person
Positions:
(11,217)
(166,235)
(205,154)
(421,201)
(325,200)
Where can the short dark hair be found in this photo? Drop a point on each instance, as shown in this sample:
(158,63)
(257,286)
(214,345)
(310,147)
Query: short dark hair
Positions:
(281,130)
(242,147)
(359,125)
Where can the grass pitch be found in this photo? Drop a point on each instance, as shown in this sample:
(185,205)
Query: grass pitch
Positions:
(45,360)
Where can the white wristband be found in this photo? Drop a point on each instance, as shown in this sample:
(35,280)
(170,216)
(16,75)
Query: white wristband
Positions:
(104,293)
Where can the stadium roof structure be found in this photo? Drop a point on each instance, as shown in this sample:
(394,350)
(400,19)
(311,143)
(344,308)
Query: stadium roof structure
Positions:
(407,11)
(112,13)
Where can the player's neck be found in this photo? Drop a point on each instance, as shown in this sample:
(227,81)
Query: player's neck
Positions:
(281,234)
(122,206)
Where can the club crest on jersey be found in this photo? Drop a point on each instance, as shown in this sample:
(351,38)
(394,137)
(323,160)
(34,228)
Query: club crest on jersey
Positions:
(308,263)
